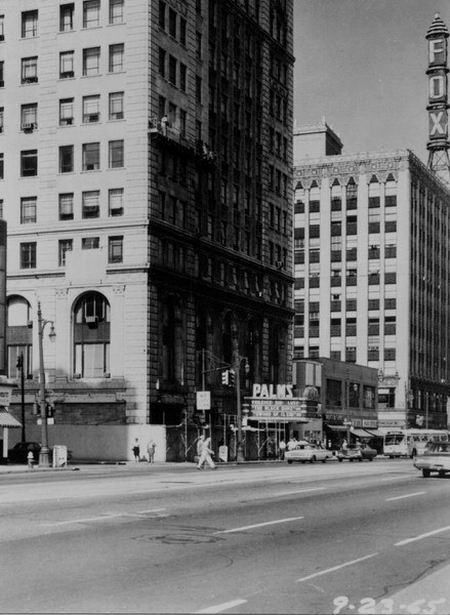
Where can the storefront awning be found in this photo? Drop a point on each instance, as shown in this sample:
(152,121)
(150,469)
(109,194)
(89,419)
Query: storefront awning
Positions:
(336,427)
(7,420)
(361,433)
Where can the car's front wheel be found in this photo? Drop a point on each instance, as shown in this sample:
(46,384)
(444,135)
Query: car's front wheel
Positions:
(441,473)
(289,460)
(425,472)
(312,460)
(340,459)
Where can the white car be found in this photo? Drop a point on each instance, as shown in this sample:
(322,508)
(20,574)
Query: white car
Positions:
(304,451)
(435,458)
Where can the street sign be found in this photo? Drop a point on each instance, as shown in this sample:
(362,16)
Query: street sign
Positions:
(203,400)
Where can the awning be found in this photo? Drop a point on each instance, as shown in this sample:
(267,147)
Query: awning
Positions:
(7,420)
(336,427)
(361,433)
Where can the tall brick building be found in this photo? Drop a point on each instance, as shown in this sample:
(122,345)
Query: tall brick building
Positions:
(145,153)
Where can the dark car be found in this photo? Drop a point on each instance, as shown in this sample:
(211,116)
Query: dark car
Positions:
(358,452)
(19,452)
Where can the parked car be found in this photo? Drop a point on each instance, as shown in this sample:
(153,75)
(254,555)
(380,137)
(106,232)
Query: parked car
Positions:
(304,451)
(358,452)
(19,452)
(435,458)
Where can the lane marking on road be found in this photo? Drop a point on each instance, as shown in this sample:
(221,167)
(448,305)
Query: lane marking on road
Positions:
(395,477)
(251,527)
(282,493)
(334,568)
(222,607)
(408,495)
(105,517)
(422,536)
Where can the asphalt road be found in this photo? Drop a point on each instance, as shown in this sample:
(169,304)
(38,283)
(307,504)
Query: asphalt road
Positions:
(334,538)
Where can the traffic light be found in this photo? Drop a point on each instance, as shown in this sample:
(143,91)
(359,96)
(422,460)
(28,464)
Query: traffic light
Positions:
(232,378)
(226,377)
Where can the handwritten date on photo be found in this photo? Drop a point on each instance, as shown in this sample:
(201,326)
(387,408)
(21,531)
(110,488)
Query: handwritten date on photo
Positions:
(386,606)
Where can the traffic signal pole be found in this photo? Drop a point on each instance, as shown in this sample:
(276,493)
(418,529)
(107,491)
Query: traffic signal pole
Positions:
(237,372)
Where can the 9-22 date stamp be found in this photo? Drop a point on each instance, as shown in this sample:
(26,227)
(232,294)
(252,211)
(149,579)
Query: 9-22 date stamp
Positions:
(386,606)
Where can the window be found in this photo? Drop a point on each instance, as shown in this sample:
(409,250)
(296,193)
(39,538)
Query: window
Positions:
(66,159)
(28,117)
(172,70)
(183,31)
(91,108)
(198,89)
(2,27)
(162,62)
(90,243)
(172,23)
(115,11)
(64,245)
(115,202)
(1,166)
(65,111)
(183,72)
(116,53)
(162,15)
(91,156)
(90,204)
(116,154)
(28,163)
(29,24)
(91,61)
(66,64)
(1,119)
(28,209)
(65,206)
(28,255)
(19,336)
(2,81)
(66,17)
(91,333)
(198,39)
(115,249)
(91,13)
(29,70)
(116,106)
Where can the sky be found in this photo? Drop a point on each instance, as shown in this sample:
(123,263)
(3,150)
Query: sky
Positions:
(361,64)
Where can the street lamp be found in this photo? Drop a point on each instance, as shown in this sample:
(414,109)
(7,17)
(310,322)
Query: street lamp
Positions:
(237,370)
(44,453)
(348,424)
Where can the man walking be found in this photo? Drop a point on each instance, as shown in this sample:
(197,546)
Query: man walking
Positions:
(205,452)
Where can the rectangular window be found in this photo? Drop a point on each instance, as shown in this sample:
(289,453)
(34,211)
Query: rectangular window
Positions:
(1,166)
(2,27)
(172,70)
(64,245)
(28,117)
(28,209)
(28,255)
(115,249)
(116,106)
(91,13)
(65,206)
(198,89)
(66,12)
(162,62)
(28,163)
(65,111)
(198,39)
(1,209)
(90,204)
(183,31)
(29,24)
(116,53)
(91,61)
(115,202)
(66,159)
(116,154)
(172,23)
(91,108)
(162,15)
(115,11)
(90,243)
(183,72)
(1,119)
(29,70)
(66,68)
(2,81)
(91,156)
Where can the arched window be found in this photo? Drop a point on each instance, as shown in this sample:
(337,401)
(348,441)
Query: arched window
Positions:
(19,340)
(91,335)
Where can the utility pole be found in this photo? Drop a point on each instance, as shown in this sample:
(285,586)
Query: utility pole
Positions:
(20,366)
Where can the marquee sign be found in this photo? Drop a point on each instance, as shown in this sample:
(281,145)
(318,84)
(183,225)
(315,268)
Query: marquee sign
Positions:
(270,402)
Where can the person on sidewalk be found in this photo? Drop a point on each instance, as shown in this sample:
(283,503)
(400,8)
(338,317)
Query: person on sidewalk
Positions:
(282,448)
(30,460)
(205,454)
(151,446)
(136,450)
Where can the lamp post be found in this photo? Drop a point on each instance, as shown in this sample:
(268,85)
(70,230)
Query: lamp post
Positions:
(20,366)
(348,424)
(237,370)
(44,452)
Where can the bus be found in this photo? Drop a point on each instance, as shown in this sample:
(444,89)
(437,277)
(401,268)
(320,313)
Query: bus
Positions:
(411,442)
